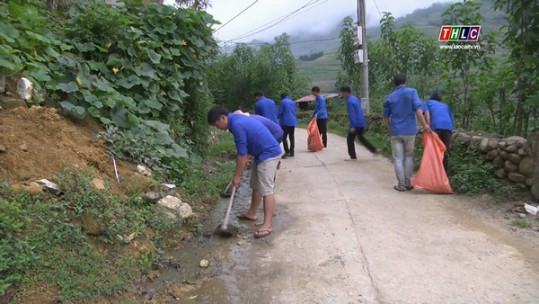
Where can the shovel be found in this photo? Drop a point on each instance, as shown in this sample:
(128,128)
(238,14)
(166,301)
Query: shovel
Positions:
(222,230)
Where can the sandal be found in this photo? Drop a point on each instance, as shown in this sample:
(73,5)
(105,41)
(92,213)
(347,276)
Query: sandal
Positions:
(262,233)
(399,188)
(243,216)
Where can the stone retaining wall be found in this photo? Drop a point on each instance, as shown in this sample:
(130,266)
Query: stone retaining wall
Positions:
(515,158)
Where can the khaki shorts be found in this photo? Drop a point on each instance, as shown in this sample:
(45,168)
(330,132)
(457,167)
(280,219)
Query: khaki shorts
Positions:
(263,176)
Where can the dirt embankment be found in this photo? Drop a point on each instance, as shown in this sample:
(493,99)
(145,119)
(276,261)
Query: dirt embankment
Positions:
(37,143)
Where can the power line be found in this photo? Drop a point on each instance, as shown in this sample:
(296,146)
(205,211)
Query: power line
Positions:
(274,22)
(243,11)
(376,5)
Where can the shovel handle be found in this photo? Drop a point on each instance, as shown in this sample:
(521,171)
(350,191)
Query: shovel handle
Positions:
(229,208)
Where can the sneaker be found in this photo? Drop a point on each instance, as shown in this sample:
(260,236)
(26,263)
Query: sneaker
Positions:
(290,154)
(351,159)
(285,156)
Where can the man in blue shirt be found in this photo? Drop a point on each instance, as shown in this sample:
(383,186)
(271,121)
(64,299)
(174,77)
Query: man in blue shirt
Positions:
(288,120)
(356,123)
(265,107)
(399,110)
(252,138)
(438,116)
(321,114)
(274,128)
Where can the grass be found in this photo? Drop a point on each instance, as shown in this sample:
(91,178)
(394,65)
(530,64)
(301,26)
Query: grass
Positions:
(522,223)
(322,72)
(46,251)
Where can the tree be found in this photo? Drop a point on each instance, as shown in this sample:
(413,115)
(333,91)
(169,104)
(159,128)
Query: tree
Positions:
(347,49)
(521,36)
(462,66)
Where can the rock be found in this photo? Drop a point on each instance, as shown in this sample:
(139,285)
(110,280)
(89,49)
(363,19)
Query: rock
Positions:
(522,215)
(144,170)
(492,144)
(510,166)
(529,182)
(465,138)
(491,155)
(151,196)
(91,224)
(526,166)
(3,149)
(498,162)
(241,242)
(24,147)
(25,88)
(516,177)
(475,141)
(503,155)
(501,145)
(170,202)
(522,152)
(512,148)
(531,209)
(204,263)
(514,139)
(515,158)
(500,173)
(483,145)
(176,206)
(98,184)
(50,186)
(148,294)
(2,84)
(185,211)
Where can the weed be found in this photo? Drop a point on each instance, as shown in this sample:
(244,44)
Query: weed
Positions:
(522,223)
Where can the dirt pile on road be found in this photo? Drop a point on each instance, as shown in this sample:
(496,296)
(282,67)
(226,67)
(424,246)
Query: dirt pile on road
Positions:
(37,143)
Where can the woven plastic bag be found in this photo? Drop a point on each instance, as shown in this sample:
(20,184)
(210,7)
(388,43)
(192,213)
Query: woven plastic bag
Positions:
(314,142)
(431,175)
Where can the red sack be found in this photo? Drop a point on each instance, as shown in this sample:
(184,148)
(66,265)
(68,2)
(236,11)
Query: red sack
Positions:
(431,175)
(314,142)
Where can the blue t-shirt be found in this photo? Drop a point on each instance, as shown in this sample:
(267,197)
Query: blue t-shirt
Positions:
(274,128)
(287,113)
(320,108)
(266,107)
(440,115)
(253,138)
(355,113)
(400,107)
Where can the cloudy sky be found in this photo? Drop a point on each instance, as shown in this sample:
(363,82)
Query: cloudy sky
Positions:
(310,15)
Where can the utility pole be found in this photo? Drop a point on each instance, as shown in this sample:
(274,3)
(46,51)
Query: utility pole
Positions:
(364,60)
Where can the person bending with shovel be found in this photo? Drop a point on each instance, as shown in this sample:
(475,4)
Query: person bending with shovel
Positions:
(252,138)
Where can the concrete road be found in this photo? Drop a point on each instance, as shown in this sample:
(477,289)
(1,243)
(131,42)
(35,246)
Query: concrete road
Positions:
(342,235)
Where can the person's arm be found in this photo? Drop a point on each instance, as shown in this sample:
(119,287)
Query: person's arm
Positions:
(316,106)
(241,163)
(387,114)
(280,111)
(419,114)
(258,109)
(427,117)
(352,114)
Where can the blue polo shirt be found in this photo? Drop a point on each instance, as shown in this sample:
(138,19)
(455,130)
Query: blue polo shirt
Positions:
(274,128)
(355,113)
(253,138)
(287,113)
(266,107)
(400,107)
(440,115)
(320,109)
